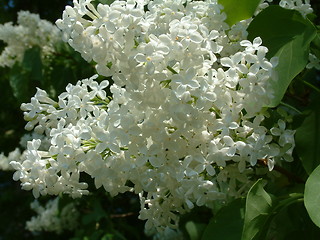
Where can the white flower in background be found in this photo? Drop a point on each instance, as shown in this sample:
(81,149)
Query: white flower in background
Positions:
(19,156)
(302,6)
(50,219)
(184,126)
(29,32)
(5,160)
(314,62)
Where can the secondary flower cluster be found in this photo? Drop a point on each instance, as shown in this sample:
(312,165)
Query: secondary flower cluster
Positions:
(185,124)
(31,31)
(15,155)
(49,218)
(18,155)
(302,6)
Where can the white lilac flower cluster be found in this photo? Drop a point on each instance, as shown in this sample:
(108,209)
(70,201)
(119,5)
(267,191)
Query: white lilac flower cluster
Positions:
(314,62)
(51,219)
(14,155)
(184,126)
(19,156)
(30,31)
(302,6)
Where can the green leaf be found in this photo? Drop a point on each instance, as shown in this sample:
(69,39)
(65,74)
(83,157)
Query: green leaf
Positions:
(315,46)
(26,75)
(259,207)
(228,217)
(64,200)
(95,215)
(264,212)
(21,83)
(298,224)
(287,35)
(238,10)
(32,62)
(60,77)
(308,141)
(194,230)
(312,196)
(107,236)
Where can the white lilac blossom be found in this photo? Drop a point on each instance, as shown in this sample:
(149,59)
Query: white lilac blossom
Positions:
(19,156)
(302,6)
(314,62)
(14,155)
(51,219)
(45,142)
(184,125)
(29,32)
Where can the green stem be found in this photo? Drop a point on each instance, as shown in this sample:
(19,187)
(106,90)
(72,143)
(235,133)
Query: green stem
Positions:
(289,200)
(311,86)
(283,171)
(172,70)
(291,107)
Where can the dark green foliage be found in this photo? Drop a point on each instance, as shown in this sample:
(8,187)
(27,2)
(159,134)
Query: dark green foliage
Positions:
(229,217)
(50,11)
(308,141)
(289,41)
(24,77)
(240,11)
(312,196)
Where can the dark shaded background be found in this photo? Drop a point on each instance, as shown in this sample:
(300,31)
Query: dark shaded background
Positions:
(50,10)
